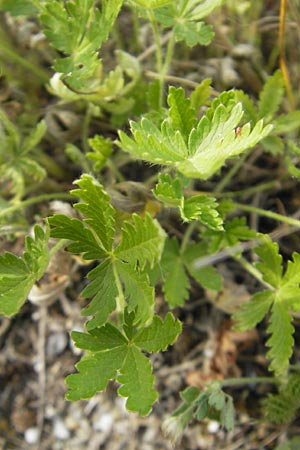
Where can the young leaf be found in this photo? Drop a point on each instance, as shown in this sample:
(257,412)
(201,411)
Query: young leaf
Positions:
(78,29)
(17,275)
(202,208)
(169,190)
(209,144)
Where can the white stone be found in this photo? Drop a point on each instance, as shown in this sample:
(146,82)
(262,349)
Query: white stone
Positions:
(213,427)
(60,430)
(31,435)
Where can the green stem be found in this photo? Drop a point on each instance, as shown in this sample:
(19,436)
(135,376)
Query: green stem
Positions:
(252,269)
(86,127)
(251,190)
(230,174)
(270,214)
(33,200)
(169,56)
(186,238)
(249,380)
(159,58)
(13,56)
(58,246)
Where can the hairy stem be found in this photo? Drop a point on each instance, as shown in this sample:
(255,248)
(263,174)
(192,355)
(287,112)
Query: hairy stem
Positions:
(33,200)
(270,214)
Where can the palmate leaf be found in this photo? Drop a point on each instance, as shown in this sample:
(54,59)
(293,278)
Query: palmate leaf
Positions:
(185,19)
(209,145)
(17,275)
(120,273)
(279,299)
(198,207)
(112,355)
(234,231)
(77,28)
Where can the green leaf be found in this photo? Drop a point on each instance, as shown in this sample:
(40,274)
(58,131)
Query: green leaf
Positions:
(281,340)
(209,145)
(216,399)
(137,380)
(193,33)
(169,190)
(203,208)
(271,262)
(18,7)
(287,122)
(176,282)
(142,241)
(235,230)
(182,115)
(17,275)
(253,312)
(78,29)
(227,414)
(99,339)
(34,137)
(98,212)
(103,291)
(139,293)
(95,371)
(102,149)
(197,9)
(83,238)
(159,335)
(201,94)
(151,4)
(271,97)
(207,276)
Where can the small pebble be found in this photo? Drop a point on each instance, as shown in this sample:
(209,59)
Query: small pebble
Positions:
(213,427)
(56,343)
(103,423)
(60,430)
(31,435)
